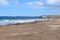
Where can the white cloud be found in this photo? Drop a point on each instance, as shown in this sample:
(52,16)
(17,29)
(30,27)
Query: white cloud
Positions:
(4,2)
(49,4)
(29,3)
(53,2)
(36,4)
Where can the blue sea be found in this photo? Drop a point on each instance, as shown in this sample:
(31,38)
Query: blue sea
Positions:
(6,20)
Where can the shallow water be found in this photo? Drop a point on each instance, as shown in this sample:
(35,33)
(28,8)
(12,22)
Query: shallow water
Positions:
(6,20)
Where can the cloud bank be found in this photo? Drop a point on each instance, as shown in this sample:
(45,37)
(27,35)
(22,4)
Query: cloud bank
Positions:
(53,2)
(49,4)
(37,4)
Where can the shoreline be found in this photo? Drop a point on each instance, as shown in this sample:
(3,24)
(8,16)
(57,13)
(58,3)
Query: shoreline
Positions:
(31,31)
(16,22)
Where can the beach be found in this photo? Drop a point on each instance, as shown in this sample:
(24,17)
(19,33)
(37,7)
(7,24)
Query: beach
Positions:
(38,30)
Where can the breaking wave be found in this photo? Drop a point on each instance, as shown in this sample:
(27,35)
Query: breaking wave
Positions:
(7,22)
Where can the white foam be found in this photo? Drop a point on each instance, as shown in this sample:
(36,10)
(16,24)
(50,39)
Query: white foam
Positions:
(6,22)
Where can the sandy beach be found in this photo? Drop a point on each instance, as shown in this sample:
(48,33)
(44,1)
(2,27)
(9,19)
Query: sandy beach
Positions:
(39,30)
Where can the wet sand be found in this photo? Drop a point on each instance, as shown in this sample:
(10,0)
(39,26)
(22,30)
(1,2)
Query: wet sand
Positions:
(41,30)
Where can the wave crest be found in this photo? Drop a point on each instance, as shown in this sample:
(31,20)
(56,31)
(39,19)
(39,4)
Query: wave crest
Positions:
(7,22)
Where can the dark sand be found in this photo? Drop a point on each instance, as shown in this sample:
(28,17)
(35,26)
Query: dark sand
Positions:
(41,30)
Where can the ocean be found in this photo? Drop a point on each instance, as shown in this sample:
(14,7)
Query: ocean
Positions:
(6,20)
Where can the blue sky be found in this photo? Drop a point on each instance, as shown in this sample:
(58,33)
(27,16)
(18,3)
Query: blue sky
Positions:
(29,7)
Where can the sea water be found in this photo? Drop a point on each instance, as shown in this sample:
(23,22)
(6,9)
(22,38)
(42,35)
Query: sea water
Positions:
(6,20)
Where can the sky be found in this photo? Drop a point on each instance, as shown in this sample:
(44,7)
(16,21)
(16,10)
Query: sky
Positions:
(29,7)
